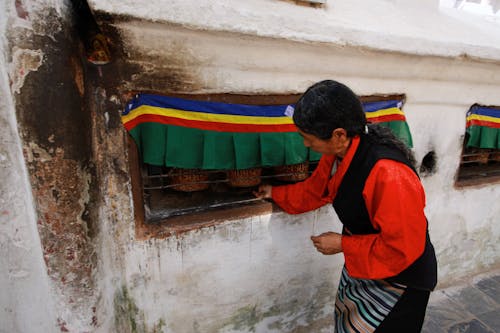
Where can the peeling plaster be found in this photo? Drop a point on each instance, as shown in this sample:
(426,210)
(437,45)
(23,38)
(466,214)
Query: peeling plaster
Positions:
(61,192)
(26,303)
(23,62)
(46,17)
(258,274)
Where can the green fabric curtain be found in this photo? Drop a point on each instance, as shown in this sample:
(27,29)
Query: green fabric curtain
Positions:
(483,127)
(400,130)
(181,133)
(201,149)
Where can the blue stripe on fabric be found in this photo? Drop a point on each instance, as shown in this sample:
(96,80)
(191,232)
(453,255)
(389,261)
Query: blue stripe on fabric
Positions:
(377,299)
(386,298)
(357,290)
(376,106)
(389,293)
(340,324)
(364,301)
(206,107)
(483,111)
(233,109)
(345,318)
(362,308)
(373,310)
(353,328)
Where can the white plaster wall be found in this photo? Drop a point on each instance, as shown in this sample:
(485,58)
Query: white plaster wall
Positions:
(26,298)
(259,274)
(230,277)
(262,274)
(418,27)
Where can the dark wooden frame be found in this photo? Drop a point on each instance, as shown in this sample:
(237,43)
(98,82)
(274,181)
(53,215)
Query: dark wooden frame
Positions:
(179,224)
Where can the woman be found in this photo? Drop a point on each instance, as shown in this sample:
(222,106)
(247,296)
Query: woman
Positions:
(368,176)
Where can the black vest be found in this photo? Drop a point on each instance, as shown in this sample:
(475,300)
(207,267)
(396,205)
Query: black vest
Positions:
(351,209)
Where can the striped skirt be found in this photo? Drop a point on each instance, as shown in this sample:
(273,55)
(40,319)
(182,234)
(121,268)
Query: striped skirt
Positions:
(361,305)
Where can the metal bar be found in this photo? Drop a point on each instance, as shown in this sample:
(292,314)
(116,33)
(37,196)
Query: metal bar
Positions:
(210,181)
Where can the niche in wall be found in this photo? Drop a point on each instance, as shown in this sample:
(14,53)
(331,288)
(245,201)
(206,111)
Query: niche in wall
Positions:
(196,159)
(480,158)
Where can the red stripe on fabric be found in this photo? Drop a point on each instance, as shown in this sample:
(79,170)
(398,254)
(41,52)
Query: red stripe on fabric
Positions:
(383,119)
(211,126)
(476,122)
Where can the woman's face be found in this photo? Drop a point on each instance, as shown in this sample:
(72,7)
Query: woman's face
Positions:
(337,144)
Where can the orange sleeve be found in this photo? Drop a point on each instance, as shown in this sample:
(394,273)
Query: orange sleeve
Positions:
(308,194)
(395,201)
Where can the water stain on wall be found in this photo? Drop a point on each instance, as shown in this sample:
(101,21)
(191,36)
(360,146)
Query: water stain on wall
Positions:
(55,131)
(289,315)
(129,318)
(140,67)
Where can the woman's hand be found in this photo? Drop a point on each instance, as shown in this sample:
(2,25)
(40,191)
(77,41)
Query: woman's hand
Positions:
(263,192)
(328,242)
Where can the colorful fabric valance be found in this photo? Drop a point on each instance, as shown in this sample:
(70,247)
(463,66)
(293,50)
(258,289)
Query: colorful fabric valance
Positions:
(390,114)
(483,127)
(190,134)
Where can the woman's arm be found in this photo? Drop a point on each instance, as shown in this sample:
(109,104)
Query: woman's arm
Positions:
(303,196)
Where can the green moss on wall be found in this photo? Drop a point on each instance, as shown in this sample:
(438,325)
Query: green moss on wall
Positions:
(129,318)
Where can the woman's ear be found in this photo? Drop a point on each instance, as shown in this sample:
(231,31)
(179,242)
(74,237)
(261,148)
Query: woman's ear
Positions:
(339,133)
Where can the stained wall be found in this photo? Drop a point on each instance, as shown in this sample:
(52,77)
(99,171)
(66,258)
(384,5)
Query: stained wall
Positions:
(66,173)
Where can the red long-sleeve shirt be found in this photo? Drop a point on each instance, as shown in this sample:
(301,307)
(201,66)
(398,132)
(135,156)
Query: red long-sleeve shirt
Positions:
(395,201)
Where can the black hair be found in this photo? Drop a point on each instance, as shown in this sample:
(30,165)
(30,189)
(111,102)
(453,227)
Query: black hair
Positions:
(384,136)
(328,104)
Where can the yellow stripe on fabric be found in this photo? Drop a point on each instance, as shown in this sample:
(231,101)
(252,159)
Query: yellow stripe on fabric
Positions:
(202,116)
(483,118)
(384,112)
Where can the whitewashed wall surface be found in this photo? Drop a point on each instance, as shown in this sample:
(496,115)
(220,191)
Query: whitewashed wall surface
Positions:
(258,274)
